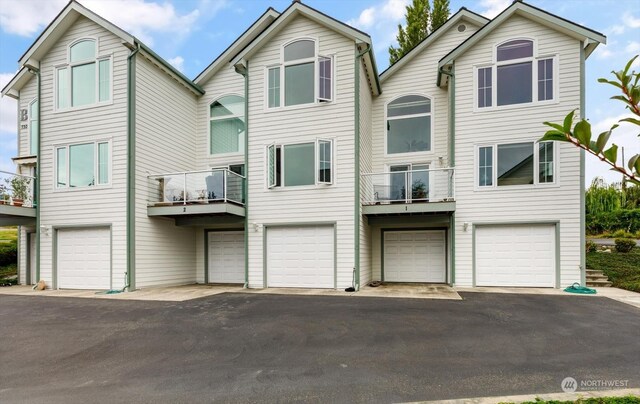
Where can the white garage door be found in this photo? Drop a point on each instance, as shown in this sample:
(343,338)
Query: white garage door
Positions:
(84,258)
(415,256)
(522,255)
(226,257)
(300,257)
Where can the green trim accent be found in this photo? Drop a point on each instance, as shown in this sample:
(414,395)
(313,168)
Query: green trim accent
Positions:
(168,66)
(452,158)
(583,230)
(452,236)
(265,230)
(357,204)
(131,167)
(206,256)
(196,209)
(558,255)
(246,176)
(37,180)
(335,256)
(408,208)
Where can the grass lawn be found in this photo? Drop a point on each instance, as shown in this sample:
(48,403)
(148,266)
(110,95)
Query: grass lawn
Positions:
(623,269)
(8,240)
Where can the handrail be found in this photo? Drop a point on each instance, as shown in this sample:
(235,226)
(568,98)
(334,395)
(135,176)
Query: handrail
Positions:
(410,171)
(196,172)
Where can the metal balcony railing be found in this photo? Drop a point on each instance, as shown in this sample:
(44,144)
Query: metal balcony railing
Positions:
(17,189)
(207,186)
(433,185)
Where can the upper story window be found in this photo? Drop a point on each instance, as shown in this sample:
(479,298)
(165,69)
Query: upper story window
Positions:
(300,164)
(82,165)
(86,77)
(525,163)
(302,77)
(226,125)
(33,127)
(517,76)
(409,125)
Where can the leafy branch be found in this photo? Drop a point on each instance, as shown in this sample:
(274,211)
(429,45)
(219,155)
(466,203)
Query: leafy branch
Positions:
(580,135)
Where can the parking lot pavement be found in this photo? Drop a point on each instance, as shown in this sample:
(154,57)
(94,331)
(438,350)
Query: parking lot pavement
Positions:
(277,348)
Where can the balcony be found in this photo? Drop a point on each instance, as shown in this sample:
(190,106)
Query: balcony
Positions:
(197,194)
(17,199)
(408,192)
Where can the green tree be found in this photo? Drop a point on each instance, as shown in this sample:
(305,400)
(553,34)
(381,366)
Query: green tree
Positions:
(628,83)
(420,21)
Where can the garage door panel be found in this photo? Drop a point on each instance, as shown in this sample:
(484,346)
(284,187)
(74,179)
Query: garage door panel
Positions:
(226,257)
(300,257)
(518,255)
(84,258)
(415,256)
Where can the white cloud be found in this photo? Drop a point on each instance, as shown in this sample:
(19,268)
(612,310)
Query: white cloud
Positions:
(491,8)
(632,47)
(381,22)
(626,135)
(28,17)
(630,21)
(177,62)
(8,111)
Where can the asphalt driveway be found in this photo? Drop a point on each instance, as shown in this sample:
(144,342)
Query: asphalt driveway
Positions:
(268,348)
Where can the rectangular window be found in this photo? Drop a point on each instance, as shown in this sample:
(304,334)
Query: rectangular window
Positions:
(103,163)
(484,87)
(274,87)
(61,167)
(83,85)
(515,164)
(82,165)
(485,166)
(324,79)
(299,85)
(545,79)
(299,164)
(33,127)
(545,163)
(324,162)
(514,83)
(104,77)
(63,88)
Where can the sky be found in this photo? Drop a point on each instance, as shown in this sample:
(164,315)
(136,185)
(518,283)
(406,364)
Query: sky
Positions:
(192,33)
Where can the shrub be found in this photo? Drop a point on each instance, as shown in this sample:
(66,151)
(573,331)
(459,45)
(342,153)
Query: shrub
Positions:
(625,245)
(622,234)
(627,220)
(591,246)
(8,254)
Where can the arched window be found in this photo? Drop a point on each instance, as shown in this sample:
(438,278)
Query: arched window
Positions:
(86,78)
(409,124)
(517,76)
(302,77)
(227,125)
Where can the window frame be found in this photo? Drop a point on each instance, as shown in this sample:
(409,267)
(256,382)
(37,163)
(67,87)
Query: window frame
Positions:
(96,166)
(410,166)
(282,65)
(534,59)
(279,179)
(209,134)
(431,114)
(494,169)
(69,65)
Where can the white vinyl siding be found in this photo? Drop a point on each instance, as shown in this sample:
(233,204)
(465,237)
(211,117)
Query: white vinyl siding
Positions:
(303,204)
(90,205)
(523,124)
(165,142)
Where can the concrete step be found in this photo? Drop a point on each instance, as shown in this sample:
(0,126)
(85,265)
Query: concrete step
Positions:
(598,283)
(597,277)
(594,272)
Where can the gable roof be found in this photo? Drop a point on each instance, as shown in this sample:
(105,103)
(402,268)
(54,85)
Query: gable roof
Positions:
(18,81)
(62,22)
(463,13)
(589,37)
(297,8)
(241,42)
